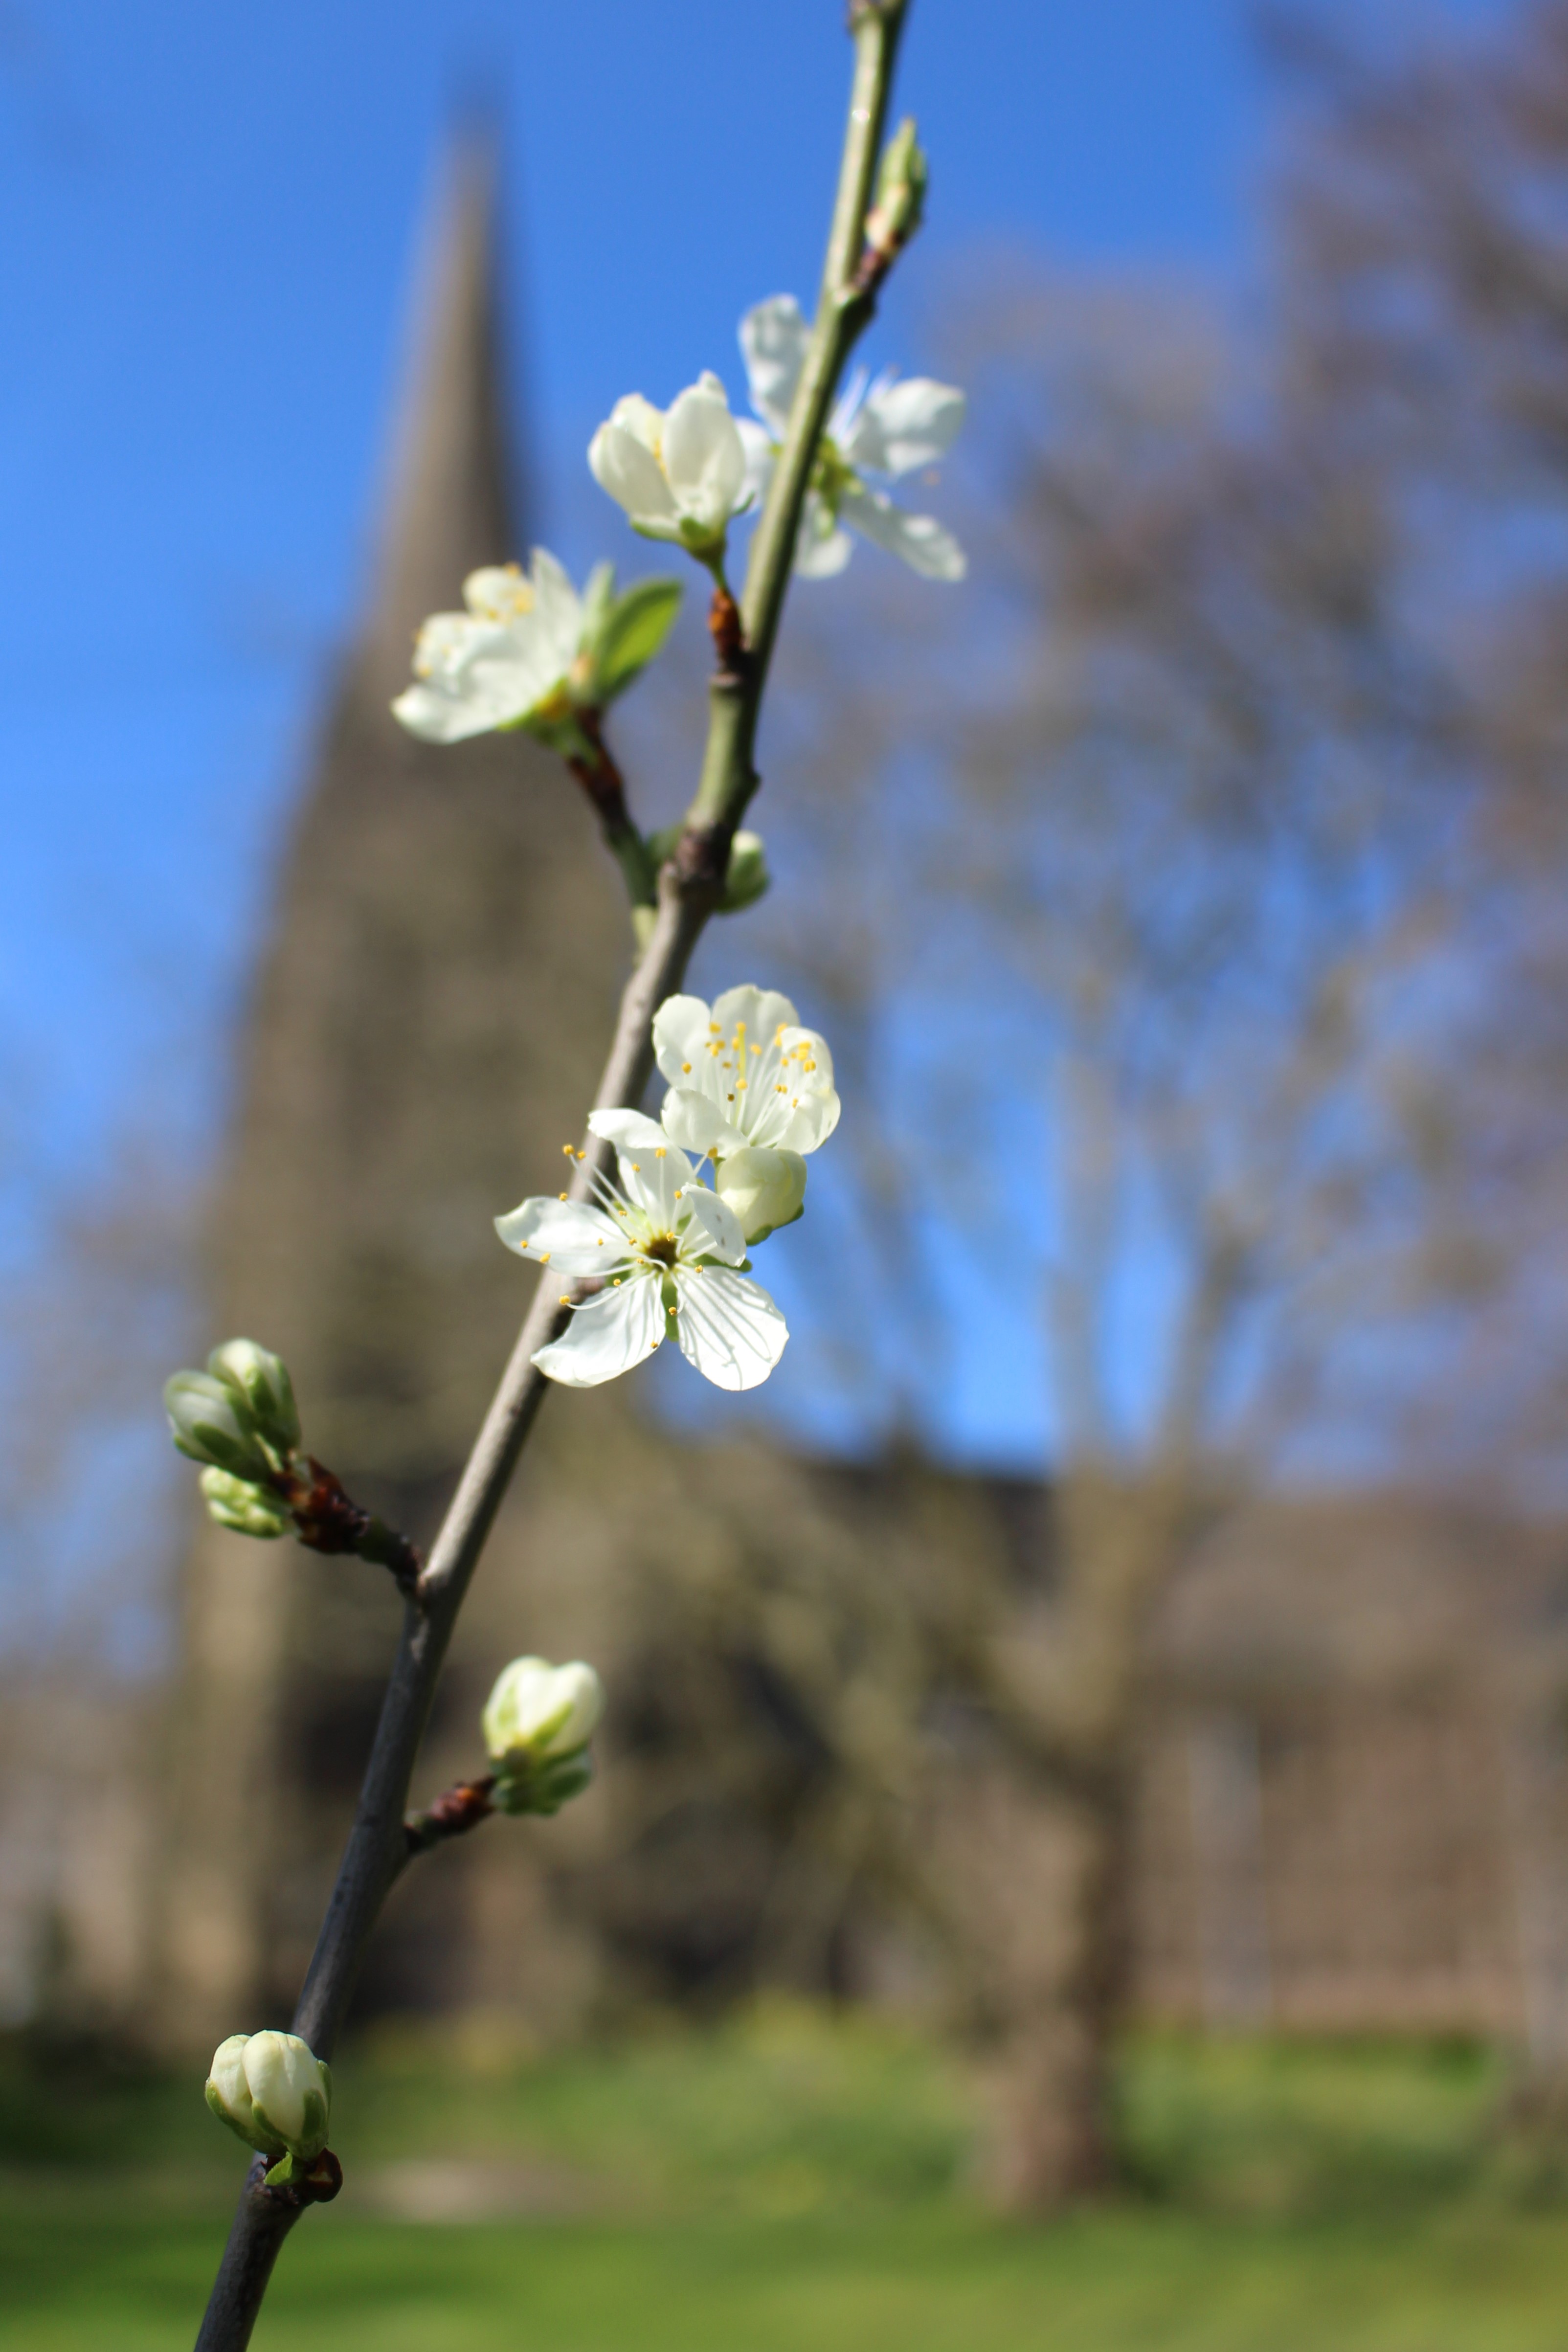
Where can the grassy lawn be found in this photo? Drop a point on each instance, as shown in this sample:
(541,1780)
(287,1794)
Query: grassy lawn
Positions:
(791,2183)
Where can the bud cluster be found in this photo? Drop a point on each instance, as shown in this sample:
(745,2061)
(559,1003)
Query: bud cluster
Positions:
(239,1420)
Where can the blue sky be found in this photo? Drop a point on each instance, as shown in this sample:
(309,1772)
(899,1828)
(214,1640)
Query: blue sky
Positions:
(204,259)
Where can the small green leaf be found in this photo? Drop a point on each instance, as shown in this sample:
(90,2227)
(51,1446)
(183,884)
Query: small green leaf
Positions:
(633,633)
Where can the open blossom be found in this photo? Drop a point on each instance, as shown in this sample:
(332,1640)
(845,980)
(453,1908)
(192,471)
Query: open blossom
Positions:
(664,1250)
(889,426)
(530,651)
(742,1072)
(680,472)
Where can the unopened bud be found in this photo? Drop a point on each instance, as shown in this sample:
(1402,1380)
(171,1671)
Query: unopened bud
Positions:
(543,1710)
(538,1721)
(270,2089)
(210,1424)
(248,1509)
(747,875)
(260,1379)
(900,192)
(765,1188)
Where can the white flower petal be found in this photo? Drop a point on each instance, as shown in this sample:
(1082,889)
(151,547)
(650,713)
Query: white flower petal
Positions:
(764,1010)
(809,1125)
(919,540)
(542,1710)
(623,464)
(610,1334)
(703,456)
(679,1032)
(497,592)
(816,1050)
(774,340)
(556,620)
(903,425)
(641,418)
(716,1227)
(489,687)
(654,1179)
(821,548)
(627,1129)
(576,1239)
(759,459)
(282,2074)
(729,1327)
(695,1122)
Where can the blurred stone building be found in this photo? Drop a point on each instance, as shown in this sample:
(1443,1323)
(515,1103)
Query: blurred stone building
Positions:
(1352,1805)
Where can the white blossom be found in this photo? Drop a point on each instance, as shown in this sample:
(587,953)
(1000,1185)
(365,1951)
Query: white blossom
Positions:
(890,427)
(530,651)
(501,661)
(680,472)
(663,1251)
(742,1071)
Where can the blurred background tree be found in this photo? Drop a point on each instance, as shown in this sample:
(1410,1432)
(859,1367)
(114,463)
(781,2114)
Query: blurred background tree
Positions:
(1202,1024)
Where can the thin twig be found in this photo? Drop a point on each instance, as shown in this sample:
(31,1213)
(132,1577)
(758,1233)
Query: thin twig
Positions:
(688,891)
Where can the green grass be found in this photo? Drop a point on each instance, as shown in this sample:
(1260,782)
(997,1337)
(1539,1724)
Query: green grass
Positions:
(794,2182)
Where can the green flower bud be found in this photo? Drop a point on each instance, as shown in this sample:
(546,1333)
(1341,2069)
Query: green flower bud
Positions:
(271,2091)
(538,1722)
(765,1188)
(248,1509)
(210,1422)
(900,191)
(260,1380)
(747,876)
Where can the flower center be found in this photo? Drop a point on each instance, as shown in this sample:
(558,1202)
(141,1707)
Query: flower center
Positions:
(831,475)
(664,1249)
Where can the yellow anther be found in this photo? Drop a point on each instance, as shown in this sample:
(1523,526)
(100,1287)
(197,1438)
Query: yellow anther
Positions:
(564,1196)
(686,1069)
(756,1049)
(544,1258)
(660,1153)
(567,1148)
(614,1281)
(714,1030)
(565,1298)
(741,1088)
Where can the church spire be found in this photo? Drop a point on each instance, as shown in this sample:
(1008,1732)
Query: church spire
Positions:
(447,502)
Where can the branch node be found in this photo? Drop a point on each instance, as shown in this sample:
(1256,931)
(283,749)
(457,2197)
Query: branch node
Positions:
(457,1810)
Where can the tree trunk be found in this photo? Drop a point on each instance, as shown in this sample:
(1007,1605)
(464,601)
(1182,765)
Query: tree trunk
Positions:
(1043,1880)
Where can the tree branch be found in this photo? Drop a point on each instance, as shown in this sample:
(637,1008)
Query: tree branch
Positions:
(688,891)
